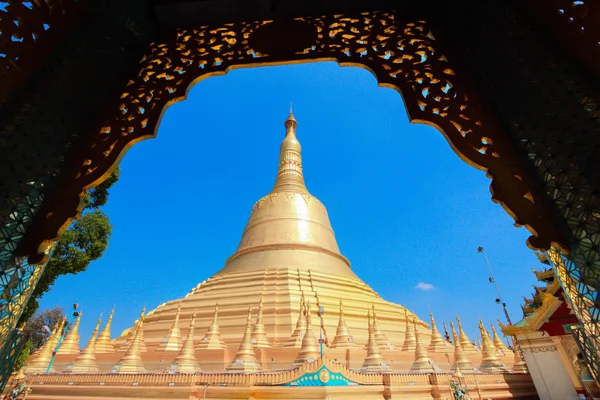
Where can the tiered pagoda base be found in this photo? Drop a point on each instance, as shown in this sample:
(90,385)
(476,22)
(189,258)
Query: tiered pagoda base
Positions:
(316,380)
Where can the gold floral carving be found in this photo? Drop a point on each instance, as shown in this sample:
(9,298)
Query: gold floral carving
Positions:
(541,315)
(403,55)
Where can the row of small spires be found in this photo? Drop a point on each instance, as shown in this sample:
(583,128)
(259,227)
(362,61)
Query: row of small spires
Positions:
(255,337)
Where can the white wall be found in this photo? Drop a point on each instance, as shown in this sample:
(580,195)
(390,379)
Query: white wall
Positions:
(549,375)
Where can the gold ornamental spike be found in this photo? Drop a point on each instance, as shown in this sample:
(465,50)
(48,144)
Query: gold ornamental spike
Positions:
(468,347)
(380,337)
(133,332)
(295,340)
(310,346)
(437,344)
(245,359)
(460,358)
(131,362)
(85,363)
(172,342)
(289,174)
(410,341)
(519,365)
(374,360)
(41,359)
(212,339)
(490,363)
(343,339)
(259,334)
(422,363)
(103,342)
(498,344)
(70,344)
(186,362)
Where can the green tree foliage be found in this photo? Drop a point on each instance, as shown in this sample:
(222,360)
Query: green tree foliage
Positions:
(25,352)
(85,241)
(35,326)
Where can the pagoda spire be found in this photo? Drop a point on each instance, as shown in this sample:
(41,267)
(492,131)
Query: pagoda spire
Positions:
(437,344)
(310,345)
(466,344)
(343,339)
(289,174)
(186,362)
(70,344)
(498,344)
(380,337)
(85,363)
(134,332)
(296,339)
(490,363)
(374,360)
(259,334)
(103,342)
(40,359)
(460,358)
(172,342)
(422,363)
(212,339)
(131,362)
(245,359)
(410,342)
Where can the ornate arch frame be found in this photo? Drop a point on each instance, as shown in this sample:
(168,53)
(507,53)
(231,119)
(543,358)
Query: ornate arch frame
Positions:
(402,54)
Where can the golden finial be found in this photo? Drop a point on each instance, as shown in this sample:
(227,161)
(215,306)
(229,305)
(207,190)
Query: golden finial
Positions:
(380,337)
(185,361)
(374,360)
(212,339)
(421,362)
(310,345)
(343,339)
(134,331)
(489,359)
(172,342)
(437,344)
(460,358)
(295,339)
(500,347)
(465,342)
(289,175)
(70,344)
(85,363)
(103,342)
(245,359)
(132,363)
(410,342)
(259,333)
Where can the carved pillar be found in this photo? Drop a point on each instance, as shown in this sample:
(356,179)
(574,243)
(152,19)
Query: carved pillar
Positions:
(567,357)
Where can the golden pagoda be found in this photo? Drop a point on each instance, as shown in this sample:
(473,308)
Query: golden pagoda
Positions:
(103,342)
(287,260)
(70,344)
(85,363)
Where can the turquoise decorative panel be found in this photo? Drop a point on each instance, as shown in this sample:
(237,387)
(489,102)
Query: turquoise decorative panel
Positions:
(322,377)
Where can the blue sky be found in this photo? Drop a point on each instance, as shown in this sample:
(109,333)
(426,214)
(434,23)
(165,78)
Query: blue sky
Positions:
(405,209)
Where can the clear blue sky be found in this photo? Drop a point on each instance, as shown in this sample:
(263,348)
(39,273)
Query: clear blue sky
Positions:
(404,207)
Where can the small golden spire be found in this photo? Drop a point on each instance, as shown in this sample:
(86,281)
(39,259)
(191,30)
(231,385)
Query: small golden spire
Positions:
(460,358)
(466,344)
(422,363)
(490,363)
(374,360)
(295,340)
(103,342)
(131,362)
(186,362)
(519,365)
(437,344)
(343,339)
(245,359)
(212,339)
(500,347)
(410,341)
(259,334)
(40,359)
(310,346)
(380,337)
(172,342)
(289,175)
(133,332)
(85,363)
(70,344)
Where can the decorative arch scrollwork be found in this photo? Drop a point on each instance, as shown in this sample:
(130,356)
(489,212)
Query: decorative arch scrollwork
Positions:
(402,55)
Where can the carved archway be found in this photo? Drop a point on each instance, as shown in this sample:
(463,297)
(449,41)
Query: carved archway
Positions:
(402,54)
